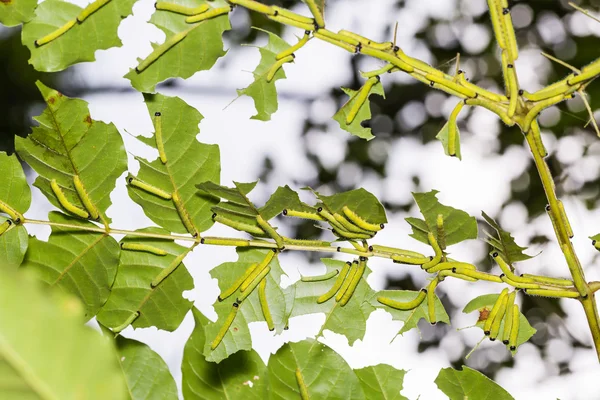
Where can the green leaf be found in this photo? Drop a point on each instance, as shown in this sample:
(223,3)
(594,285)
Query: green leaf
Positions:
(596,238)
(262,92)
(14,190)
(420,229)
(362,202)
(364,113)
(238,337)
(188,163)
(458,225)
(442,136)
(146,373)
(79,262)
(349,320)
(410,317)
(67,143)
(484,304)
(469,384)
(510,251)
(162,306)
(284,197)
(199,51)
(45,350)
(15,12)
(228,379)
(13,246)
(78,44)
(381,382)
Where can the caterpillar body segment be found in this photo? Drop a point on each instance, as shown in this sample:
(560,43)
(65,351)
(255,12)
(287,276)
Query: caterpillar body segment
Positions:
(292,15)
(90,9)
(4,226)
(519,285)
(301,385)
(179,9)
(236,285)
(508,317)
(255,6)
(450,265)
(320,278)
(16,216)
(565,220)
(361,97)
(131,180)
(226,325)
(55,34)
(303,214)
(347,281)
(431,300)
(162,49)
(66,204)
(452,136)
(479,91)
(487,326)
(314,10)
(510,38)
(270,231)
(127,322)
(495,108)
(224,242)
(553,293)
(244,294)
(362,265)
(390,58)
(358,221)
(507,270)
(278,64)
(337,285)
(294,48)
(348,47)
(145,248)
(160,144)
(169,269)
(538,107)
(514,328)
(438,252)
(404,306)
(292,22)
(263,265)
(393,250)
(383,70)
(264,305)
(183,214)
(495,328)
(213,13)
(497,23)
(85,198)
(403,259)
(240,226)
(549,280)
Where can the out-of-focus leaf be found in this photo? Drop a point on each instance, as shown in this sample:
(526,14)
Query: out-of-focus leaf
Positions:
(146,373)
(163,306)
(188,162)
(349,320)
(505,244)
(67,143)
(484,305)
(262,92)
(79,262)
(442,136)
(15,12)
(78,44)
(458,225)
(198,51)
(410,317)
(279,300)
(45,350)
(364,113)
(469,384)
(228,379)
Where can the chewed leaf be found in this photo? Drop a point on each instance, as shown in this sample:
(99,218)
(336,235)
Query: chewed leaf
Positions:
(284,198)
(80,42)
(442,136)
(262,92)
(198,51)
(469,384)
(364,113)
(505,244)
(15,12)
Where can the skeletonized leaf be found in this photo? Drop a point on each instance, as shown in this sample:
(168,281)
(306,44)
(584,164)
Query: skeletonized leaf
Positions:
(469,384)
(162,306)
(198,51)
(78,44)
(364,113)
(188,162)
(68,142)
(79,262)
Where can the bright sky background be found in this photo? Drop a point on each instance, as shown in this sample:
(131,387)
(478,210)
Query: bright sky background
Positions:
(481,181)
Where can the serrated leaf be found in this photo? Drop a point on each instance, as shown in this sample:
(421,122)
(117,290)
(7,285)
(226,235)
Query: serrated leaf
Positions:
(349,320)
(163,306)
(262,92)
(228,379)
(469,384)
(410,317)
(510,251)
(15,12)
(442,136)
(419,228)
(146,373)
(67,143)
(188,163)
(80,262)
(46,352)
(238,336)
(364,113)
(381,382)
(362,202)
(78,44)
(484,303)
(14,189)
(458,225)
(198,51)
(284,197)
(13,246)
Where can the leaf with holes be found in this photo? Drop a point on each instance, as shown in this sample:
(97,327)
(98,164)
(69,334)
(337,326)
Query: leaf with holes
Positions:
(79,262)
(163,306)
(356,128)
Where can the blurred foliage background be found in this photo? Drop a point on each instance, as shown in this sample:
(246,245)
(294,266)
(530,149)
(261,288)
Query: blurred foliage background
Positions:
(541,25)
